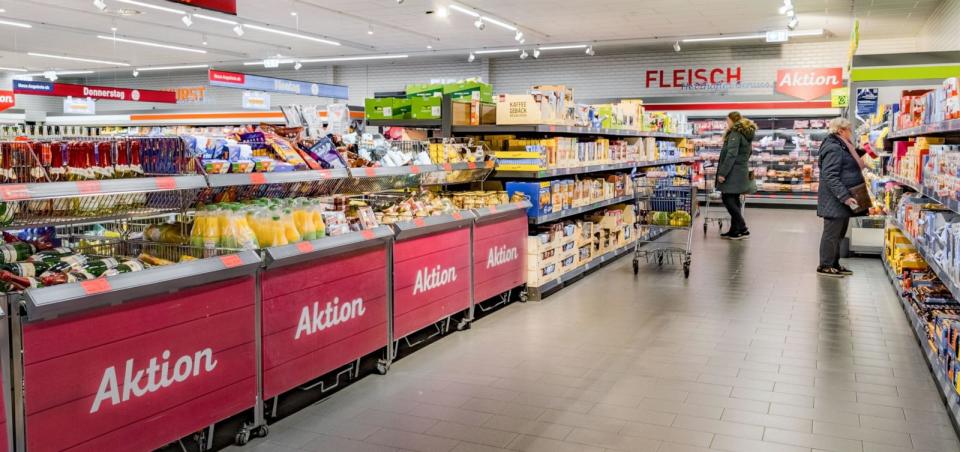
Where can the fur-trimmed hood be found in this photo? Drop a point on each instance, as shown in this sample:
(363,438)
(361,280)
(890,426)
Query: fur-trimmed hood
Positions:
(745,127)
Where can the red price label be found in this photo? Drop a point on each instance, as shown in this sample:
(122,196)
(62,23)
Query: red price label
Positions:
(456,216)
(94,286)
(493,209)
(231,261)
(472,165)
(553,128)
(370,172)
(305,247)
(88,186)
(447,167)
(324,173)
(520,204)
(14,192)
(414,169)
(165,183)
(419,222)
(489,164)
(367,234)
(258,178)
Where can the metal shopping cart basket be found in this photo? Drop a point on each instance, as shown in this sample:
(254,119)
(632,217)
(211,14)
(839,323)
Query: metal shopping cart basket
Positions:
(666,207)
(717,215)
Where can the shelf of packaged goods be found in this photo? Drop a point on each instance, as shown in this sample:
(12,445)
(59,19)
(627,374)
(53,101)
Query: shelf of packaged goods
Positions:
(559,129)
(543,174)
(237,179)
(540,292)
(951,204)
(409,123)
(784,180)
(946,127)
(792,199)
(578,210)
(53,190)
(914,185)
(947,389)
(944,276)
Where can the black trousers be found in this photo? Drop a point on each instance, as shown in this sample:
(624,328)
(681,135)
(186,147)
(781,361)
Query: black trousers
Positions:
(732,202)
(834,230)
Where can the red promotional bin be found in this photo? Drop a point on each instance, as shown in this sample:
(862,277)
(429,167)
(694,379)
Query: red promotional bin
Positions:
(138,360)
(324,305)
(499,249)
(431,271)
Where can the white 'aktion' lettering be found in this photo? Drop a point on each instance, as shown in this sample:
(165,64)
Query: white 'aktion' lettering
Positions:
(332,314)
(185,367)
(500,256)
(428,279)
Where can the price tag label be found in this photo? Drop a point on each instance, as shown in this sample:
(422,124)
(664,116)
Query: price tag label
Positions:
(456,216)
(370,172)
(324,173)
(493,209)
(367,234)
(419,222)
(258,178)
(231,261)
(520,204)
(165,183)
(95,286)
(472,165)
(305,247)
(447,167)
(88,187)
(14,192)
(414,169)
(489,164)
(553,128)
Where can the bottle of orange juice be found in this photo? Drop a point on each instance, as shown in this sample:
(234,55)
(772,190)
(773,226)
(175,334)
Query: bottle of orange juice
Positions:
(303,219)
(290,227)
(317,215)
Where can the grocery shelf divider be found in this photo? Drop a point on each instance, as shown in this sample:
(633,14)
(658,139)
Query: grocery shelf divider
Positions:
(561,129)
(554,216)
(50,190)
(542,174)
(235,179)
(950,126)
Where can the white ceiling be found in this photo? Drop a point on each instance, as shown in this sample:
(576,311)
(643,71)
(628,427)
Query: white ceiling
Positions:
(70,27)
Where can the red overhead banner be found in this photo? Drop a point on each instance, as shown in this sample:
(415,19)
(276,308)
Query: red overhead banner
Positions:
(224,6)
(6,100)
(95,92)
(808,83)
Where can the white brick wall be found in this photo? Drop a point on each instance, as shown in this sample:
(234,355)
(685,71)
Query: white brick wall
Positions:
(942,30)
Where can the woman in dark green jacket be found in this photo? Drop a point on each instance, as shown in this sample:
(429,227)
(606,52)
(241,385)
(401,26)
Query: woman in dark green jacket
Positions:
(733,171)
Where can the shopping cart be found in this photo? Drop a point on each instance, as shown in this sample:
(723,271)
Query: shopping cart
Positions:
(666,207)
(718,215)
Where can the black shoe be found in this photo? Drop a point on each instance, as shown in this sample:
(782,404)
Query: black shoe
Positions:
(726,235)
(829,271)
(843,270)
(740,235)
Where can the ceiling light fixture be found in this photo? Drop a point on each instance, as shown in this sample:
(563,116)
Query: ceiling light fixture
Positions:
(369,29)
(676,46)
(70,58)
(482,19)
(429,47)
(725,38)
(204,42)
(590,51)
(136,73)
(792,25)
(577,46)
(442,12)
(271,61)
(356,58)
(238,30)
(12,69)
(471,57)
(481,52)
(787,6)
(152,6)
(100,4)
(214,19)
(466,11)
(15,24)
(42,74)
(536,53)
(186,20)
(297,66)
(151,44)
(523,55)
(811,32)
(171,68)
(50,75)
(479,24)
(290,34)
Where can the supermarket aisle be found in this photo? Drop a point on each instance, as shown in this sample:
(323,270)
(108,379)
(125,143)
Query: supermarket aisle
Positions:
(753,353)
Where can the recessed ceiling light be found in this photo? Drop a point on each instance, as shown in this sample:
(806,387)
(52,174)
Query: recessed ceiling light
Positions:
(151,44)
(152,6)
(291,34)
(70,58)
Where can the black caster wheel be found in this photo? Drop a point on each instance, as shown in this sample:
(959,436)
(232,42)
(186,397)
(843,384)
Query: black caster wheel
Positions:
(686,270)
(524,297)
(720,228)
(704,227)
(660,261)
(463,325)
(261,431)
(242,438)
(383,367)
(636,267)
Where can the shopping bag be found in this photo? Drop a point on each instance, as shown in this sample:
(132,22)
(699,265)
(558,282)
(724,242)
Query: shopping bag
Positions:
(862,196)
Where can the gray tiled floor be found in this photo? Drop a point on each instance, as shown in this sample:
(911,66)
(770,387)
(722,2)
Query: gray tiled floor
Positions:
(753,353)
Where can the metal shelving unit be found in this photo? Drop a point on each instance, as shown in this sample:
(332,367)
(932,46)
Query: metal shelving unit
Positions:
(559,129)
(544,174)
(951,126)
(578,210)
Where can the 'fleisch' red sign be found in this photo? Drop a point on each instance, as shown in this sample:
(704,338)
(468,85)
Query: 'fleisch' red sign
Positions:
(681,77)
(224,6)
(808,83)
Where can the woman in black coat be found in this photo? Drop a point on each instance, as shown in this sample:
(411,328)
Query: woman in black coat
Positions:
(733,171)
(840,170)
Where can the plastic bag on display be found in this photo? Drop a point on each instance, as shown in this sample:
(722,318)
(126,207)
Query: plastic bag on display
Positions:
(338,119)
